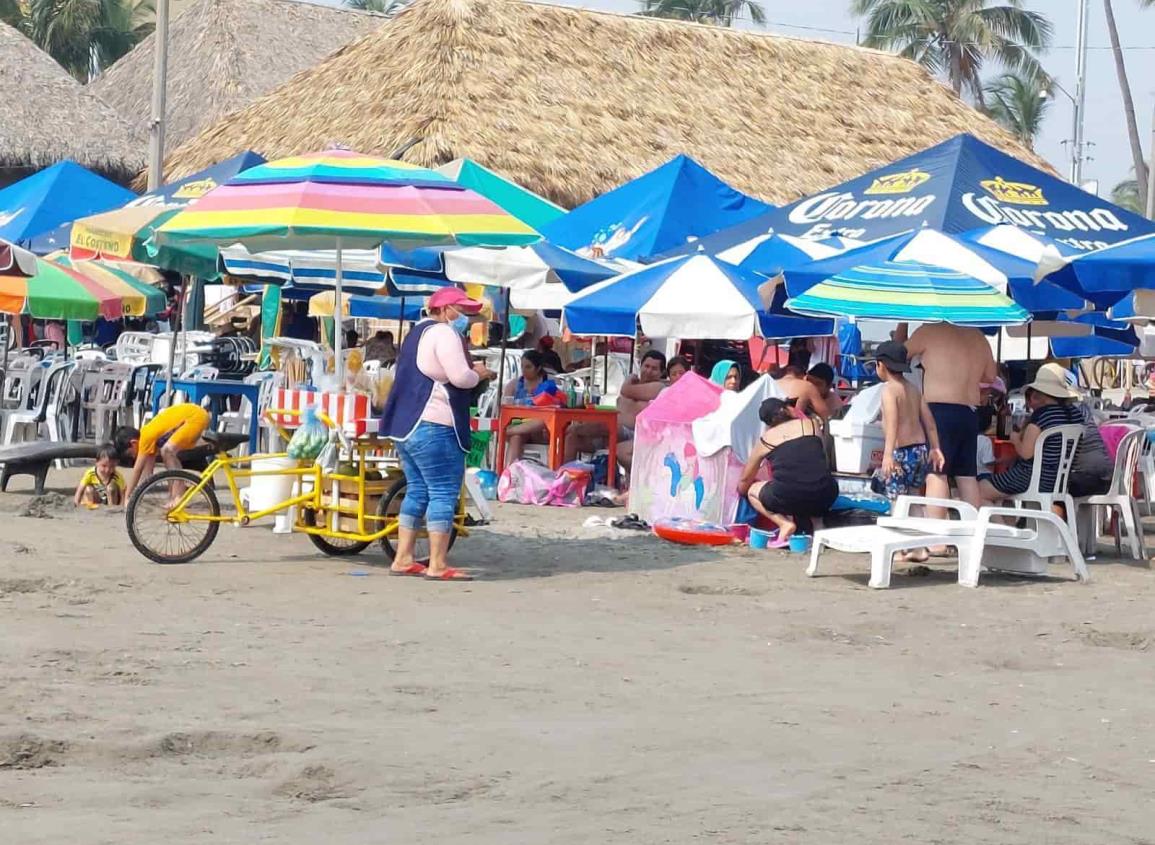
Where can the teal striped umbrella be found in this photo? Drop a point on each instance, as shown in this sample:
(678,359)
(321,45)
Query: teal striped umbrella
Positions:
(921,276)
(908,291)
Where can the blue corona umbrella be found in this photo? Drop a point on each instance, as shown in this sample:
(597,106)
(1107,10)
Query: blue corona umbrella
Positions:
(953,187)
(690,297)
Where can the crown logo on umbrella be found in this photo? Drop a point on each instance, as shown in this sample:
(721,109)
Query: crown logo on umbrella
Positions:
(898,183)
(1016,193)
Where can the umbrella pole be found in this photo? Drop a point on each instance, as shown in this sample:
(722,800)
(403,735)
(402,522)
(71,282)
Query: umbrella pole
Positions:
(4,365)
(606,368)
(504,343)
(177,326)
(999,348)
(338,329)
(401,322)
(1028,343)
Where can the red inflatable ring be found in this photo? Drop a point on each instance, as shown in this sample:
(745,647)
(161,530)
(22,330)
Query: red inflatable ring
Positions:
(690,532)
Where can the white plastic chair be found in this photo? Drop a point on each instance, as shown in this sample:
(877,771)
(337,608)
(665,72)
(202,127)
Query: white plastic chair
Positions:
(47,411)
(1036,499)
(1117,497)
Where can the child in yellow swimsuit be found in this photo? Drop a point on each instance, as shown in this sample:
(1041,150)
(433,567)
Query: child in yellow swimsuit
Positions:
(102,484)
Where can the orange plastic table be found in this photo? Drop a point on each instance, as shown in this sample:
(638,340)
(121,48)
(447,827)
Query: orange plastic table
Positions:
(557,420)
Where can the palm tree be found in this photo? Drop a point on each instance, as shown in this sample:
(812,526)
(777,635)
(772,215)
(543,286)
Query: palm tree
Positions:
(388,8)
(957,37)
(1014,102)
(717,12)
(12,13)
(1137,159)
(1126,194)
(87,36)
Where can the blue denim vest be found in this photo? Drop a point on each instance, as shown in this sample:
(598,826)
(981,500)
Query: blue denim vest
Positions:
(411,391)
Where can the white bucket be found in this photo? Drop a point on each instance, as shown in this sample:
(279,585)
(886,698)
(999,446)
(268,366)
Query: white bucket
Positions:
(267,491)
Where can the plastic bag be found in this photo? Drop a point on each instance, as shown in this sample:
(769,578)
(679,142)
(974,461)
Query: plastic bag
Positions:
(310,438)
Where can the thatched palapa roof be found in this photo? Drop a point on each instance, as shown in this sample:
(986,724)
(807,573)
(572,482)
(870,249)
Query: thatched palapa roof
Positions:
(570,102)
(223,54)
(46,116)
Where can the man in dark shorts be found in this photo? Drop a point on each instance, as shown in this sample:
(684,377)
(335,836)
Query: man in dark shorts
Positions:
(955,362)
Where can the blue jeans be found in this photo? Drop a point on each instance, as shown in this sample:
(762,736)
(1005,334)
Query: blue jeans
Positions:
(434,467)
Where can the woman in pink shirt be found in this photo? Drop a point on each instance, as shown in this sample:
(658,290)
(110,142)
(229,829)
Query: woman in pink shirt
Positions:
(427,417)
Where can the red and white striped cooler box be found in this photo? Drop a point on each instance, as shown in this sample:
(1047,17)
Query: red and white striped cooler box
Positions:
(351,411)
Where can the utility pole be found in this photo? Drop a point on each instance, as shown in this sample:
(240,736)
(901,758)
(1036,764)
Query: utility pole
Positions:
(1080,98)
(159,84)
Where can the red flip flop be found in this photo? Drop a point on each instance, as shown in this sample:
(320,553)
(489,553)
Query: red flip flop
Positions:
(450,574)
(414,569)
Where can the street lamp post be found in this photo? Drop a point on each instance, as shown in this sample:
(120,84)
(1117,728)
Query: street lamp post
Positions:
(159,74)
(1080,98)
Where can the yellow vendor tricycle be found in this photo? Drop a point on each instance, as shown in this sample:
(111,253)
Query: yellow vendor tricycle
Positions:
(345,501)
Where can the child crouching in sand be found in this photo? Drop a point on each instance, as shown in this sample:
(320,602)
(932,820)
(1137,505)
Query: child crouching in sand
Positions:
(911,449)
(102,484)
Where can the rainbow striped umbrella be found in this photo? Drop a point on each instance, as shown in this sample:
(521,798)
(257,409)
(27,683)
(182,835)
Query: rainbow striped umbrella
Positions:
(341,199)
(139,299)
(55,292)
(320,200)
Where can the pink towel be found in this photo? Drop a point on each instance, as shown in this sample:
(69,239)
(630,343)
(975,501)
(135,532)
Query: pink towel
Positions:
(1112,435)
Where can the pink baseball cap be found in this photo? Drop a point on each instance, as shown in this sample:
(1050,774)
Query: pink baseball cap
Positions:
(455,297)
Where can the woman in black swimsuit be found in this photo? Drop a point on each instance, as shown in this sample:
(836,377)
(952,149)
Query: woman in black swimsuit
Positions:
(801,486)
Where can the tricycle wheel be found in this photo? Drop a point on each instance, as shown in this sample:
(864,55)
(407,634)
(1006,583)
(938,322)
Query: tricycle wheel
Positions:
(150,530)
(332,546)
(390,507)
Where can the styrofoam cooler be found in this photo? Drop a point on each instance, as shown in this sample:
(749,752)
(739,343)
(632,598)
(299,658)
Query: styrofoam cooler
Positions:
(857,446)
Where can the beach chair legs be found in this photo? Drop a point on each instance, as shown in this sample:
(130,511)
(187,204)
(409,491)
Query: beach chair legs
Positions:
(881,558)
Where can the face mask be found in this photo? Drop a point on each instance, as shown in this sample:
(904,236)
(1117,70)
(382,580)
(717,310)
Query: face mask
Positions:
(461,324)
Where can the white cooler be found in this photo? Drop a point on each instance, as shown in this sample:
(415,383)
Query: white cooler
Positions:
(857,446)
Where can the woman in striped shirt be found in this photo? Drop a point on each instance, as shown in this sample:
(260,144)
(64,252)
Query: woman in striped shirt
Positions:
(1053,402)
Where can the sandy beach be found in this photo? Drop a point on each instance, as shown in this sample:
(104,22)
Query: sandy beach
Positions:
(587,688)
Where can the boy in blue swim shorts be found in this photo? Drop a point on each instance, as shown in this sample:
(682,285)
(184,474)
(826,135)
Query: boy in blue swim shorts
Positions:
(911,449)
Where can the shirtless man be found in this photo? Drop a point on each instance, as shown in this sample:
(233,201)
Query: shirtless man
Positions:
(807,398)
(822,377)
(955,361)
(635,395)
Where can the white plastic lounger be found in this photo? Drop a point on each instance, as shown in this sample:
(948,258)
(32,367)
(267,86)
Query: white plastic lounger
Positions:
(880,542)
(982,541)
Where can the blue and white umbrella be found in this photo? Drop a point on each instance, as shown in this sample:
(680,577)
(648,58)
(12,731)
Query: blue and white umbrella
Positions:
(1107,339)
(695,296)
(316,268)
(771,253)
(922,276)
(1060,292)
(1107,275)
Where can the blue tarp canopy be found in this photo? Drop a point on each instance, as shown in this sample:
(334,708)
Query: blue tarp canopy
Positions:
(184,191)
(180,192)
(959,185)
(656,212)
(58,194)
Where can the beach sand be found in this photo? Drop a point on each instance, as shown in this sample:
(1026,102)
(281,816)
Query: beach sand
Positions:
(587,688)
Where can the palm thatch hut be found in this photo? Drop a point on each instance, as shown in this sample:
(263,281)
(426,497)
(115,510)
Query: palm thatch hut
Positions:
(46,116)
(570,102)
(223,54)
